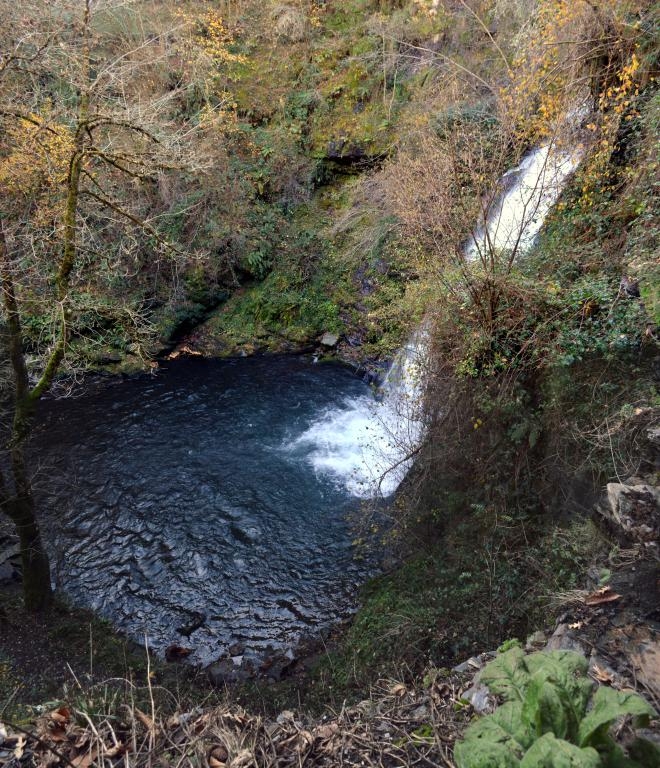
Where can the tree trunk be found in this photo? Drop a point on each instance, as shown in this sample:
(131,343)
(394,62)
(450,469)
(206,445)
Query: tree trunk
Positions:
(19,507)
(37,591)
(19,504)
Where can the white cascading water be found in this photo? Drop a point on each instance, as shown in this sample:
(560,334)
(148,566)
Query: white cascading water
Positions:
(368,445)
(526,195)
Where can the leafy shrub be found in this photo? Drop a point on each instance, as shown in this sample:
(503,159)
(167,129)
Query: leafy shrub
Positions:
(550,718)
(597,321)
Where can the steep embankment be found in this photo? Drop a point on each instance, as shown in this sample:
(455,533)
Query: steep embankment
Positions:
(290,224)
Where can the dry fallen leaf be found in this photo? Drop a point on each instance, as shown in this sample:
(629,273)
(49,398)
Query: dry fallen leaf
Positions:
(326,731)
(600,674)
(20,747)
(603,595)
(118,749)
(576,625)
(146,721)
(81,736)
(57,734)
(242,759)
(218,756)
(398,690)
(305,738)
(61,715)
(441,691)
(84,761)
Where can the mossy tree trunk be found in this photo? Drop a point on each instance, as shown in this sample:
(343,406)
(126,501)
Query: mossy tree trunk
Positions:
(18,501)
(100,135)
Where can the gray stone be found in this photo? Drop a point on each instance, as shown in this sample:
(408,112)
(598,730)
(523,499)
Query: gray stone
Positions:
(226,671)
(475,663)
(329,339)
(6,572)
(653,435)
(480,698)
(247,534)
(9,552)
(563,639)
(536,640)
(236,649)
(277,664)
(634,509)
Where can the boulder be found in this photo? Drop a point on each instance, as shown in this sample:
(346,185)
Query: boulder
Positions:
(10,551)
(634,509)
(246,534)
(346,152)
(564,639)
(10,559)
(197,620)
(174,653)
(236,649)
(536,641)
(329,340)
(7,572)
(481,699)
(277,664)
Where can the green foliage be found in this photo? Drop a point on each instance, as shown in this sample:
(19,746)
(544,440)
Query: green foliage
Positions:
(597,321)
(550,718)
(417,613)
(551,752)
(507,645)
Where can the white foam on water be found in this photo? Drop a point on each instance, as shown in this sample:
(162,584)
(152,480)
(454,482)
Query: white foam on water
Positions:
(368,445)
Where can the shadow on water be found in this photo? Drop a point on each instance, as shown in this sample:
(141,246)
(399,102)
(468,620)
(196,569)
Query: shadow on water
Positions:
(174,505)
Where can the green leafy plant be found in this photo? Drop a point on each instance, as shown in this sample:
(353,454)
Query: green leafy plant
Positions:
(551,717)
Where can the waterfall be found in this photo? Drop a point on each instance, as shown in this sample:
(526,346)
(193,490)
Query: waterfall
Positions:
(368,445)
(523,199)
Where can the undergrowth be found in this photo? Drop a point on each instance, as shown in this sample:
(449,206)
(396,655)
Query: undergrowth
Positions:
(484,580)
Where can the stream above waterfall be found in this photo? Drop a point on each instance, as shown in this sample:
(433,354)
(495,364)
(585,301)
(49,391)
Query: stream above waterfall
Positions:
(176,501)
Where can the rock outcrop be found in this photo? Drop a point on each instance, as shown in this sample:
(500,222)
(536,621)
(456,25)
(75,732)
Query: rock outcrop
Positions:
(633,510)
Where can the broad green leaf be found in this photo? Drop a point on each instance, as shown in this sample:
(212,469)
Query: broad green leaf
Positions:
(484,754)
(507,675)
(509,718)
(504,727)
(550,752)
(608,706)
(561,662)
(565,670)
(543,710)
